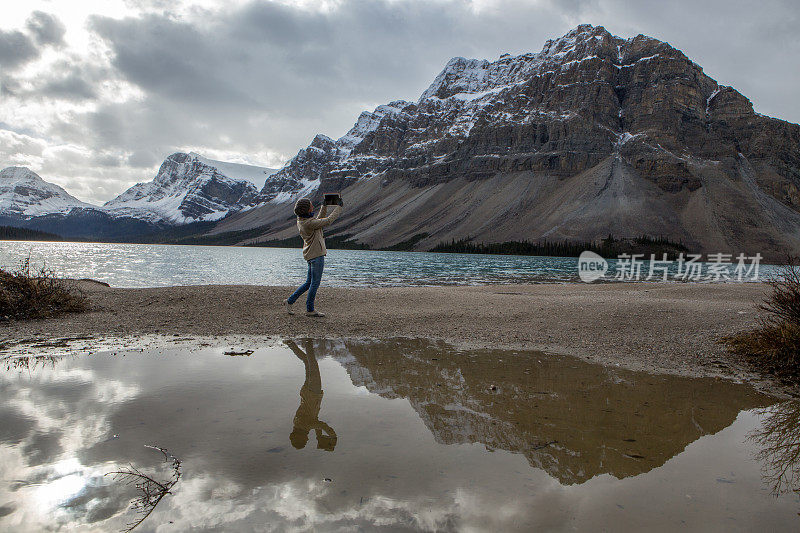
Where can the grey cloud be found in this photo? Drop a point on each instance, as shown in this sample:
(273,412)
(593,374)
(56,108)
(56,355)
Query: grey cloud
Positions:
(14,426)
(264,77)
(70,87)
(16,49)
(278,24)
(171,58)
(269,60)
(142,159)
(576,7)
(69,128)
(19,148)
(109,160)
(42,447)
(46,28)
(94,179)
(8,86)
(147,5)
(107,124)
(71,79)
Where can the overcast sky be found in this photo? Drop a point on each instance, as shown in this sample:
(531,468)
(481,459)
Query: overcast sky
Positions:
(94,94)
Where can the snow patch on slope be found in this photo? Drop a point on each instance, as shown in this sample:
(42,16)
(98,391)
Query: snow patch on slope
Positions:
(367,123)
(239,171)
(307,188)
(711,98)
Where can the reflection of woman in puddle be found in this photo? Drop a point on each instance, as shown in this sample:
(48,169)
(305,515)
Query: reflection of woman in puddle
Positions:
(307,416)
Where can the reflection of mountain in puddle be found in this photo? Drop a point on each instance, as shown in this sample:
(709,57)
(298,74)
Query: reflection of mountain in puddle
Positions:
(571,418)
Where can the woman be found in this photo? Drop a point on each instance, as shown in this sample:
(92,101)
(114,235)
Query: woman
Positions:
(313,250)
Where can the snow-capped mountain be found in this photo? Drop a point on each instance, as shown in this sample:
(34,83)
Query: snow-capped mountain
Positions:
(186,189)
(594,134)
(28,201)
(24,194)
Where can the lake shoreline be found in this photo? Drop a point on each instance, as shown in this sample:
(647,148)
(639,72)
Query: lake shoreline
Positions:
(672,328)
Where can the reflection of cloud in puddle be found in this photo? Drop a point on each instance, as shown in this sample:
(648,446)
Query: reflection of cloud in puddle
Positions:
(66,410)
(66,493)
(65,480)
(309,505)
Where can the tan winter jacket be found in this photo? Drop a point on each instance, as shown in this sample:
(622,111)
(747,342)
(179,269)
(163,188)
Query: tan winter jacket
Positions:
(311,231)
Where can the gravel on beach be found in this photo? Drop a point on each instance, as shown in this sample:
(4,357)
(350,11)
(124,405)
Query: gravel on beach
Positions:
(659,327)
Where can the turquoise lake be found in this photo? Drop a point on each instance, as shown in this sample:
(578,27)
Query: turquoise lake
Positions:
(150,265)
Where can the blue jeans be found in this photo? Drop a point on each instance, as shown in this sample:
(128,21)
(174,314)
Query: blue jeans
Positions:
(315,267)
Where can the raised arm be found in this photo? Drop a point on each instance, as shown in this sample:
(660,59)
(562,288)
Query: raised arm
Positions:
(321,221)
(297,351)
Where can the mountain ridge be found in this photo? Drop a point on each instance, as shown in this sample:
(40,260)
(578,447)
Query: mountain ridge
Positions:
(592,135)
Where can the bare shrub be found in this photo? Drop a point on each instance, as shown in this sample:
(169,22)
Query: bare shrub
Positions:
(27,293)
(774,346)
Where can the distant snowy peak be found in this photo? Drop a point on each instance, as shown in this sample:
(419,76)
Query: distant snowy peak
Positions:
(186,189)
(23,193)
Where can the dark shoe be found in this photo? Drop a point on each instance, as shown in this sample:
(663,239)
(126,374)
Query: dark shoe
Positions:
(315,313)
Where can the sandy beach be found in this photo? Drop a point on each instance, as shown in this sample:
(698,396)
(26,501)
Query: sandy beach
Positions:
(670,328)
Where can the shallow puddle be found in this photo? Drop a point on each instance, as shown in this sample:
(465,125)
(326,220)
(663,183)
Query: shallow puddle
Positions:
(407,435)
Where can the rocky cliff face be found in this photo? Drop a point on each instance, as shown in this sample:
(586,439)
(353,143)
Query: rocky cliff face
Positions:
(339,162)
(592,135)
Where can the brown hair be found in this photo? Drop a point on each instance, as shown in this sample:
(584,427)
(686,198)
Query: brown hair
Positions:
(302,207)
